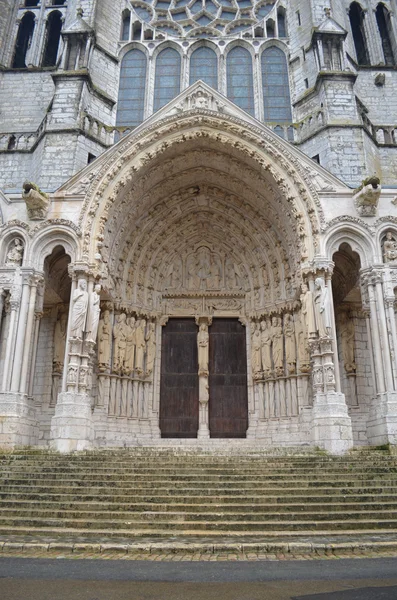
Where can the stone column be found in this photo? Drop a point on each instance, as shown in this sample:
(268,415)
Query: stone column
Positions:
(203,357)
(28,336)
(331,424)
(71,425)
(20,338)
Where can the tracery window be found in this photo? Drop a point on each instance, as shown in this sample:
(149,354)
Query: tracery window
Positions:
(386,33)
(240,83)
(167,82)
(24,39)
(204,66)
(131,102)
(275,86)
(356,16)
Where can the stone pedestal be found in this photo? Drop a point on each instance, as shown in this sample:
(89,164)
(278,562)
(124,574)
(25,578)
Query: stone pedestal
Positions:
(72,426)
(331,424)
(18,424)
(382,420)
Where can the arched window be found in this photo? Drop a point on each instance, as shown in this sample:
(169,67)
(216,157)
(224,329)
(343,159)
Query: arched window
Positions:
(131,101)
(386,34)
(24,38)
(275,86)
(240,84)
(167,81)
(204,66)
(356,16)
(52,37)
(125,28)
(281,22)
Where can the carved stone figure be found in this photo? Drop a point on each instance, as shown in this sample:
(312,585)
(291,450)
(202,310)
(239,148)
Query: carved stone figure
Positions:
(79,310)
(15,253)
(303,344)
(150,348)
(306,299)
(322,308)
(193,281)
(60,333)
(202,346)
(130,332)
(104,341)
(140,346)
(214,276)
(120,343)
(256,358)
(277,339)
(94,310)
(347,338)
(174,277)
(232,275)
(366,197)
(37,202)
(266,340)
(389,248)
(290,347)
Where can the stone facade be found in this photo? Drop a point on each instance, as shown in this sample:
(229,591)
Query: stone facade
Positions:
(205,208)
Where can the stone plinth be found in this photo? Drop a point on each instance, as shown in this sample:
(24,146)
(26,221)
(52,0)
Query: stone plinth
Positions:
(382,419)
(331,424)
(18,424)
(71,426)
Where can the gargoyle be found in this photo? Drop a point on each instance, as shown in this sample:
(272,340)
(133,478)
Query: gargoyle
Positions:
(37,202)
(366,197)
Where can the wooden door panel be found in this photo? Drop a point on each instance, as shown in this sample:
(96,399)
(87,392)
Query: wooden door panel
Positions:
(228,405)
(179,388)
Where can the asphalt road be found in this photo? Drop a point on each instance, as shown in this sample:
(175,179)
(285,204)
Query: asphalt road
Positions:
(52,579)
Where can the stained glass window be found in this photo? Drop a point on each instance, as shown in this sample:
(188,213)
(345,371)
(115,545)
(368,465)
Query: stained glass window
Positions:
(240,84)
(275,85)
(167,80)
(131,100)
(204,66)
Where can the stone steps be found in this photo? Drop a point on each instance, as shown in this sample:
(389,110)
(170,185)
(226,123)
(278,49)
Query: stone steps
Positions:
(182,495)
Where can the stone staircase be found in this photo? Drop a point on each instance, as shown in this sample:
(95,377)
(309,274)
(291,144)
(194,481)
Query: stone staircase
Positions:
(157,494)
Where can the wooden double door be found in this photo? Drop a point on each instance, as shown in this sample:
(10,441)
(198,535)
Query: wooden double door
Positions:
(179,383)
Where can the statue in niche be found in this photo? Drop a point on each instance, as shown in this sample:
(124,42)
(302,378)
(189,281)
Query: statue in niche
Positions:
(266,340)
(104,341)
(202,346)
(277,345)
(79,310)
(94,311)
(347,338)
(232,275)
(130,348)
(256,358)
(322,308)
(389,248)
(60,334)
(303,345)
(306,299)
(120,342)
(15,253)
(289,338)
(140,345)
(214,276)
(150,348)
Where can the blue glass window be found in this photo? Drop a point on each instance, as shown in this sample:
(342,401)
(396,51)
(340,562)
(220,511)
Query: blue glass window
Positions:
(204,66)
(125,34)
(240,84)
(275,85)
(167,80)
(131,100)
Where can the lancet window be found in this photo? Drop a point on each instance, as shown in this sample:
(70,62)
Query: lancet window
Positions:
(240,84)
(167,78)
(204,66)
(275,85)
(131,102)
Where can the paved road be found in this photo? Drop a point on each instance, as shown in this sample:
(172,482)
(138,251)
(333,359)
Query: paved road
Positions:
(52,579)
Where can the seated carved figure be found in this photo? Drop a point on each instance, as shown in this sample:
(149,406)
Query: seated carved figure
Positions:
(389,248)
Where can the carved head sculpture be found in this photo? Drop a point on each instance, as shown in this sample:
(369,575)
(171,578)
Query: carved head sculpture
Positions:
(304,288)
(82,284)
(131,321)
(263,325)
(319,283)
(389,235)
(97,288)
(122,317)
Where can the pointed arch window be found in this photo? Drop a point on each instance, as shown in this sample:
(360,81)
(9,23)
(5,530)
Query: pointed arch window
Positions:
(52,39)
(386,33)
(167,81)
(281,23)
(240,83)
(356,16)
(275,86)
(131,101)
(125,28)
(204,66)
(24,39)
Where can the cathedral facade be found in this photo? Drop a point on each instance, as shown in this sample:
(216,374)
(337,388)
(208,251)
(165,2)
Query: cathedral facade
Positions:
(198,233)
